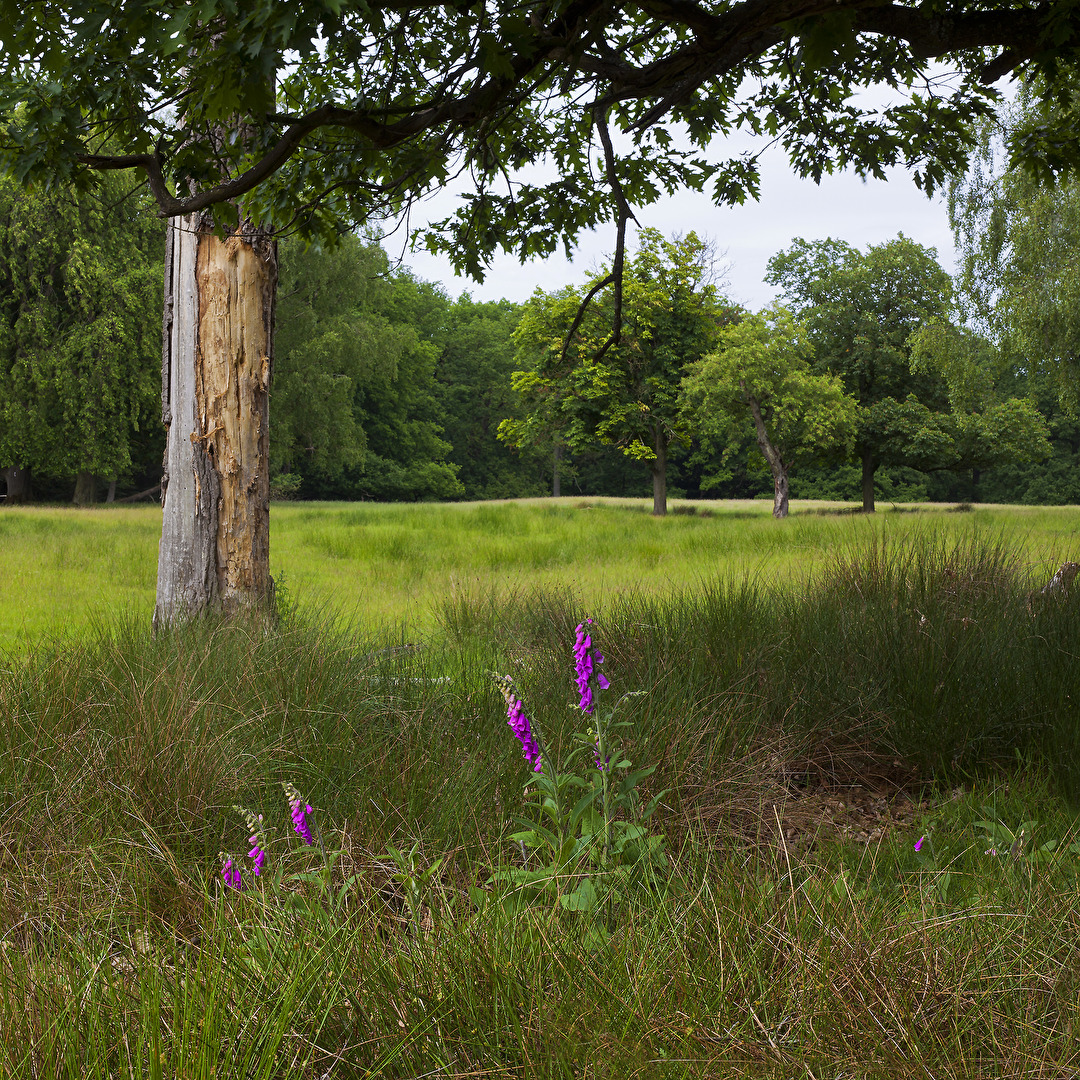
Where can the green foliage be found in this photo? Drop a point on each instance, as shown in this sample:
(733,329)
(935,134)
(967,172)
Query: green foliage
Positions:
(80,338)
(880,321)
(593,388)
(325,113)
(476,359)
(354,394)
(760,378)
(1018,234)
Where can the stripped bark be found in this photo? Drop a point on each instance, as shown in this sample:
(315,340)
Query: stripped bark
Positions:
(217,358)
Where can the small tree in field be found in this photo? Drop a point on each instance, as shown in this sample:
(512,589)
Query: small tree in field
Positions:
(759,375)
(595,386)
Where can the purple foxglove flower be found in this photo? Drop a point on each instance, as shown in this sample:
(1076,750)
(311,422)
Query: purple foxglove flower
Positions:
(919,843)
(231,874)
(585,668)
(257,839)
(518,721)
(297,811)
(257,854)
(519,724)
(300,822)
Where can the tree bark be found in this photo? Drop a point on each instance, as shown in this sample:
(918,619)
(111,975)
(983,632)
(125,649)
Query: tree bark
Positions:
(556,486)
(85,489)
(777,465)
(217,358)
(868,469)
(659,475)
(18,485)
(111,496)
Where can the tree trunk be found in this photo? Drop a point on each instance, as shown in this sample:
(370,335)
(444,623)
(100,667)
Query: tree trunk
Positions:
(111,497)
(217,358)
(780,492)
(556,487)
(659,475)
(777,465)
(85,489)
(18,485)
(868,468)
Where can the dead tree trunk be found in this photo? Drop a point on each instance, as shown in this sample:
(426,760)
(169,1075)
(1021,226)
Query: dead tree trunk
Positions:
(217,358)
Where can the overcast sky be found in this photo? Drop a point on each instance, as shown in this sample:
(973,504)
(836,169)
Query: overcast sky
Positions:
(843,206)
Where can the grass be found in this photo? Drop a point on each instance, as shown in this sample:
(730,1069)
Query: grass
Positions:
(897,679)
(375,565)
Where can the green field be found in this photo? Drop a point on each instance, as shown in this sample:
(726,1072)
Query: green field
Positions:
(864,859)
(388,565)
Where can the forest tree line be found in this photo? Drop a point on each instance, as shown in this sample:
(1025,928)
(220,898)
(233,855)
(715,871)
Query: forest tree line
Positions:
(386,388)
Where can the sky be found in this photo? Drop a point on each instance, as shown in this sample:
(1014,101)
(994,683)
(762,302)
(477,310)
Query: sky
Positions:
(843,207)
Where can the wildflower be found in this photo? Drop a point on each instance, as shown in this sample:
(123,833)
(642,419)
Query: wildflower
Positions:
(257,839)
(919,843)
(256,854)
(297,811)
(518,721)
(585,665)
(231,873)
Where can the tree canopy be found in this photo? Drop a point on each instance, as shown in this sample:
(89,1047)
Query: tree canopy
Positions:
(80,340)
(589,383)
(1019,235)
(759,376)
(354,392)
(306,115)
(861,309)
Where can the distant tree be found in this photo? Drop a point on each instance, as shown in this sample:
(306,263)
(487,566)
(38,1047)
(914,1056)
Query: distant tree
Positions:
(759,375)
(80,338)
(476,359)
(1018,233)
(355,413)
(584,386)
(861,310)
(990,423)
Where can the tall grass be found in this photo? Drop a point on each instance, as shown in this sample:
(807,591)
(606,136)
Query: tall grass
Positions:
(375,565)
(122,757)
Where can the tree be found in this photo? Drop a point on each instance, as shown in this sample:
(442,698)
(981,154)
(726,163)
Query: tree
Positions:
(354,395)
(473,389)
(760,373)
(1018,232)
(861,311)
(80,281)
(591,387)
(280,114)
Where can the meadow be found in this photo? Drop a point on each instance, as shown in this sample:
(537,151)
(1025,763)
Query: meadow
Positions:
(864,858)
(373,566)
